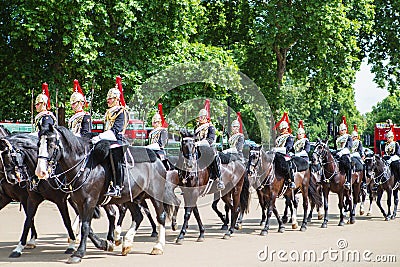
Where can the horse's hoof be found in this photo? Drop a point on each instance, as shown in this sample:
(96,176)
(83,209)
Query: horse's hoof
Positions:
(174,226)
(118,242)
(69,251)
(352,221)
(393,217)
(200,239)
(263,233)
(74,259)
(224,227)
(320,217)
(262,223)
(303,228)
(30,246)
(294,226)
(227,237)
(362,212)
(156,251)
(284,219)
(179,241)
(387,218)
(110,246)
(154,234)
(309,219)
(324,225)
(281,230)
(126,250)
(369,214)
(15,254)
(341,223)
(238,226)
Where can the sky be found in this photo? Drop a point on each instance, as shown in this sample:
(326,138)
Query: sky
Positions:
(367,93)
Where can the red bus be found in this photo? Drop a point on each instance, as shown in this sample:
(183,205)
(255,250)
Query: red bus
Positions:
(134,131)
(380,136)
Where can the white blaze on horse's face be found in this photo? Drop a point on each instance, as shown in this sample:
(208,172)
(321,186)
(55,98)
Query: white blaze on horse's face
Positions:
(42,168)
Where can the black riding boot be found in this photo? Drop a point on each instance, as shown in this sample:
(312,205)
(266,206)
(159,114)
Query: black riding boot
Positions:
(117,159)
(216,173)
(347,184)
(364,179)
(290,181)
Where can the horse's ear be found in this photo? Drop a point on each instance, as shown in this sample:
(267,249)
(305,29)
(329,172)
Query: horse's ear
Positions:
(182,132)
(3,144)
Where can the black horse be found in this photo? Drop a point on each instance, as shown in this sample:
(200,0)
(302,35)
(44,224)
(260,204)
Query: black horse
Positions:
(87,170)
(382,176)
(194,177)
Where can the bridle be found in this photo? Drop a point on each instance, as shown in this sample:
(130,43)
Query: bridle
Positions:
(189,169)
(15,166)
(384,173)
(323,155)
(267,177)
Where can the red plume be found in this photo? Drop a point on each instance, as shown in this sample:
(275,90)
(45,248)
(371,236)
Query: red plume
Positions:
(345,123)
(285,117)
(355,127)
(163,122)
(119,86)
(77,88)
(207,107)
(301,125)
(239,118)
(45,91)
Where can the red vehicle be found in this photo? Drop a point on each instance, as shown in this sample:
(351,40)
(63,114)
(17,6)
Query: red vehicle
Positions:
(380,136)
(134,131)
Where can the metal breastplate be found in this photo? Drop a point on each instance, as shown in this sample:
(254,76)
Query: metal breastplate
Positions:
(354,148)
(75,122)
(234,139)
(39,116)
(390,148)
(299,145)
(155,135)
(341,141)
(111,115)
(281,140)
(202,131)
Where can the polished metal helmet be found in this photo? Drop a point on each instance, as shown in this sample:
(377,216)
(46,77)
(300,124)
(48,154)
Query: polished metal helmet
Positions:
(156,118)
(41,98)
(235,123)
(354,134)
(301,131)
(114,93)
(203,112)
(389,134)
(76,97)
(342,126)
(283,125)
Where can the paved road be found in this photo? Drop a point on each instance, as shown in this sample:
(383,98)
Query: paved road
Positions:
(371,237)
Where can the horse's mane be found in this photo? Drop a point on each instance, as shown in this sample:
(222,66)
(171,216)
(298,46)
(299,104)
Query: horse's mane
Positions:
(4,131)
(24,141)
(75,143)
(380,165)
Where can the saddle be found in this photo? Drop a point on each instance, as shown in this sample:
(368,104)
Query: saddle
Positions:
(299,164)
(356,164)
(141,154)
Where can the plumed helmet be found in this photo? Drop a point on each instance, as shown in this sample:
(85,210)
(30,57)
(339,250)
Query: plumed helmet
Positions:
(44,97)
(301,131)
(114,93)
(235,123)
(389,134)
(41,98)
(342,126)
(283,125)
(76,97)
(203,112)
(156,118)
(354,134)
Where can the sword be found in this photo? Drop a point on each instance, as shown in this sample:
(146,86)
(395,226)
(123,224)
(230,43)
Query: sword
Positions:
(91,98)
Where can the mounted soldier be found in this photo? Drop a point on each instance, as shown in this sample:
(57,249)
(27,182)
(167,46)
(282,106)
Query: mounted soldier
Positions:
(80,122)
(236,141)
(358,153)
(392,151)
(284,145)
(158,137)
(205,136)
(45,117)
(302,145)
(116,120)
(344,144)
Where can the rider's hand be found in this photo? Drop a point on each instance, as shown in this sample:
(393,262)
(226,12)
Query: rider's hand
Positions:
(95,139)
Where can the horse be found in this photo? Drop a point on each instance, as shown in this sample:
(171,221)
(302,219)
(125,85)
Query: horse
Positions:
(18,157)
(336,178)
(86,170)
(194,177)
(316,175)
(379,173)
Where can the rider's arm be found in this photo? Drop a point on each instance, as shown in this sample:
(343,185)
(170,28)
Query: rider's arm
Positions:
(307,146)
(210,135)
(240,143)
(289,144)
(86,125)
(162,141)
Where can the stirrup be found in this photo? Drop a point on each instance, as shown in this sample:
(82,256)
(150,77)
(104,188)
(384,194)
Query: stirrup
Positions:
(292,185)
(220,185)
(114,192)
(347,185)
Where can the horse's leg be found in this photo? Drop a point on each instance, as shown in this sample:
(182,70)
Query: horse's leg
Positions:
(305,208)
(355,200)
(32,206)
(234,210)
(111,215)
(214,206)
(378,202)
(31,244)
(389,203)
(261,200)
(288,204)
(158,249)
(148,215)
(137,218)
(309,217)
(396,202)
(281,226)
(326,195)
(294,212)
(341,207)
(63,208)
(371,198)
(174,225)
(200,224)
(181,236)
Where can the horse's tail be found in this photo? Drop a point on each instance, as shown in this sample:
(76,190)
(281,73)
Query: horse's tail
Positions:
(170,199)
(315,196)
(245,195)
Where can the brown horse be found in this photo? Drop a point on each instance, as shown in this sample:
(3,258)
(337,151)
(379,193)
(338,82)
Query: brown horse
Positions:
(381,175)
(193,179)
(334,178)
